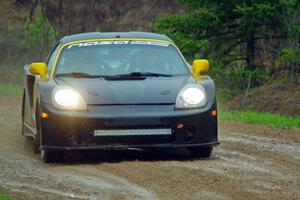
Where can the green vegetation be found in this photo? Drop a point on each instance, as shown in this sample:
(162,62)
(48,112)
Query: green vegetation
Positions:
(254,117)
(225,94)
(5,197)
(39,36)
(245,41)
(10,89)
(27,43)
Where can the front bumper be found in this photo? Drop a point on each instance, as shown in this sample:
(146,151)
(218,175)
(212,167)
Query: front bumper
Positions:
(75,130)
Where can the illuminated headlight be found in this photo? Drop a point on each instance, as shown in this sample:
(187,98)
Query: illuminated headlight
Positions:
(191,96)
(64,97)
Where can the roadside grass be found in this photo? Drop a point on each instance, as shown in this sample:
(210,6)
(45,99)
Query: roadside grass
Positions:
(10,89)
(5,197)
(254,117)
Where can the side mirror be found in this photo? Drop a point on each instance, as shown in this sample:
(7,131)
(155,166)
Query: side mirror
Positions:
(200,66)
(38,68)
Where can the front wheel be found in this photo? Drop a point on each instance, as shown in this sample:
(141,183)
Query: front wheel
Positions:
(201,152)
(31,144)
(37,139)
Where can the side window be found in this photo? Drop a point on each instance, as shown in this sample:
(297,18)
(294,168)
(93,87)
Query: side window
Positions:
(51,58)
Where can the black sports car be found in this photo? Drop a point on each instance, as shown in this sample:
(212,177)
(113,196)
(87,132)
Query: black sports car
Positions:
(118,90)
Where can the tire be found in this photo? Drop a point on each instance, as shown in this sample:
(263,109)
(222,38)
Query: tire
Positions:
(37,143)
(201,152)
(32,144)
(51,156)
(28,142)
(37,140)
(22,114)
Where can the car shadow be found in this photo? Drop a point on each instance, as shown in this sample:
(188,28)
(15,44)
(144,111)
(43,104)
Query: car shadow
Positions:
(117,156)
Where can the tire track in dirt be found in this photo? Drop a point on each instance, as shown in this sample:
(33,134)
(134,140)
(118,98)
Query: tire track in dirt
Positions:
(30,176)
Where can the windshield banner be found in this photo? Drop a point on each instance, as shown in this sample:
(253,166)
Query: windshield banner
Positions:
(118,42)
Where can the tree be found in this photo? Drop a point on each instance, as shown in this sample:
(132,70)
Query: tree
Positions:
(70,17)
(231,31)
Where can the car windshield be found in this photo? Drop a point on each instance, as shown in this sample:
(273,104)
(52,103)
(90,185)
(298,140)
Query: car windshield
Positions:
(109,58)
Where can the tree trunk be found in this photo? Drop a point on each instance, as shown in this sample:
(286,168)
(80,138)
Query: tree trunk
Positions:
(250,54)
(61,16)
(92,16)
(32,9)
(250,60)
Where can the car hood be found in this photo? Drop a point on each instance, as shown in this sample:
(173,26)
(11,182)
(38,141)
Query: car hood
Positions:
(152,90)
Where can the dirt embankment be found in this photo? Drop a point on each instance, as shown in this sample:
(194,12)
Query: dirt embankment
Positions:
(275,97)
(252,162)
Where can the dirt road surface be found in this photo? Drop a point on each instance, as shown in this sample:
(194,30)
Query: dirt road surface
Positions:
(252,162)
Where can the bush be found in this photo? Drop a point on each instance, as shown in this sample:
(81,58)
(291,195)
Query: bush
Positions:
(22,45)
(39,37)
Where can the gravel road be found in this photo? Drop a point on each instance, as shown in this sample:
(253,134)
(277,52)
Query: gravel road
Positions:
(252,162)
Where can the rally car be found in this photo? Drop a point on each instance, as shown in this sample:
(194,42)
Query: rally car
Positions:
(118,90)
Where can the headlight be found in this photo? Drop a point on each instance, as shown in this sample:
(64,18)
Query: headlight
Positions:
(65,97)
(191,96)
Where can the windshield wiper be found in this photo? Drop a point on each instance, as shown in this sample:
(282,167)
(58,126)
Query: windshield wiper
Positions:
(139,74)
(133,75)
(78,75)
(149,74)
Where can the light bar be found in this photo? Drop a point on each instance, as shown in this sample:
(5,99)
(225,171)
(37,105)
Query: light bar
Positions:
(132,132)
